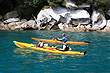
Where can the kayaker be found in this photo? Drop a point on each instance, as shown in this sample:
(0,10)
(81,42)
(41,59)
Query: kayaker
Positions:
(64,39)
(41,44)
(65,48)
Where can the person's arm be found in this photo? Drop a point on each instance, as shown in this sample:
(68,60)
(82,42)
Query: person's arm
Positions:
(60,39)
(38,45)
(63,47)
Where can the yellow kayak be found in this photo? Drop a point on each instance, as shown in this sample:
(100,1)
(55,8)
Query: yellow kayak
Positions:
(47,49)
(55,41)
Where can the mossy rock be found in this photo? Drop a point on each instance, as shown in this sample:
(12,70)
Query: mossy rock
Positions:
(12,14)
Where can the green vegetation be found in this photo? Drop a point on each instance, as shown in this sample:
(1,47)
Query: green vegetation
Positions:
(55,2)
(26,8)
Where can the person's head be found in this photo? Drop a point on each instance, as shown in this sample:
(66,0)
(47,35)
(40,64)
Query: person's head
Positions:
(63,34)
(39,41)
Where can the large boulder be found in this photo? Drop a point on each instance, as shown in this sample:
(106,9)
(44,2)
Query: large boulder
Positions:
(15,25)
(98,20)
(12,14)
(54,15)
(22,25)
(11,20)
(18,25)
(23,20)
(11,24)
(31,24)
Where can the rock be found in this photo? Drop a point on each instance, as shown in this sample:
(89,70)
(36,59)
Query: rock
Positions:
(107,28)
(11,24)
(88,26)
(83,21)
(46,16)
(12,14)
(69,4)
(15,25)
(108,23)
(1,23)
(32,23)
(18,27)
(65,27)
(19,23)
(55,27)
(24,25)
(29,24)
(72,5)
(108,12)
(5,27)
(54,15)
(0,17)
(98,21)
(84,5)
(23,20)
(80,13)
(1,26)
(61,26)
(51,24)
(69,18)
(11,20)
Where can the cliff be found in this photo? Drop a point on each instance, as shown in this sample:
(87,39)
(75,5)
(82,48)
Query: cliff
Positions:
(65,15)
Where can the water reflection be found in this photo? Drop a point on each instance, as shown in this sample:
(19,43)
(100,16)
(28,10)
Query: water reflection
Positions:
(23,52)
(39,56)
(34,54)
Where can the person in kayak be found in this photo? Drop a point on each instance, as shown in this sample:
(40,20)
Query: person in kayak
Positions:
(64,39)
(41,44)
(65,48)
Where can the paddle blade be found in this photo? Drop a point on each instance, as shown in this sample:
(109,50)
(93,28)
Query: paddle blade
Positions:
(86,41)
(54,36)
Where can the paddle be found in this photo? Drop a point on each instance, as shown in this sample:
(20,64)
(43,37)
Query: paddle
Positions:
(54,36)
(57,38)
(35,42)
(86,41)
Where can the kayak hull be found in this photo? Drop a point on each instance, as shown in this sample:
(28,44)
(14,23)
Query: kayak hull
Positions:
(55,41)
(26,45)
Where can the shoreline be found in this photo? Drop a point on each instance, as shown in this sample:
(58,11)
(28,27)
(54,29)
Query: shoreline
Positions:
(56,30)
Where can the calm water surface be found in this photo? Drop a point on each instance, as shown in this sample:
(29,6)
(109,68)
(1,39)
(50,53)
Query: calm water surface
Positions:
(14,59)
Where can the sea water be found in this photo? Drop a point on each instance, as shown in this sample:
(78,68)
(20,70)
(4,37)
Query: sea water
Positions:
(14,59)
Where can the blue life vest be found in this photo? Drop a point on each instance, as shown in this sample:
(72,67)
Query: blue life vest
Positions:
(64,39)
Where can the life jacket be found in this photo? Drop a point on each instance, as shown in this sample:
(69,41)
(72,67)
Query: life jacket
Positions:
(67,47)
(66,39)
